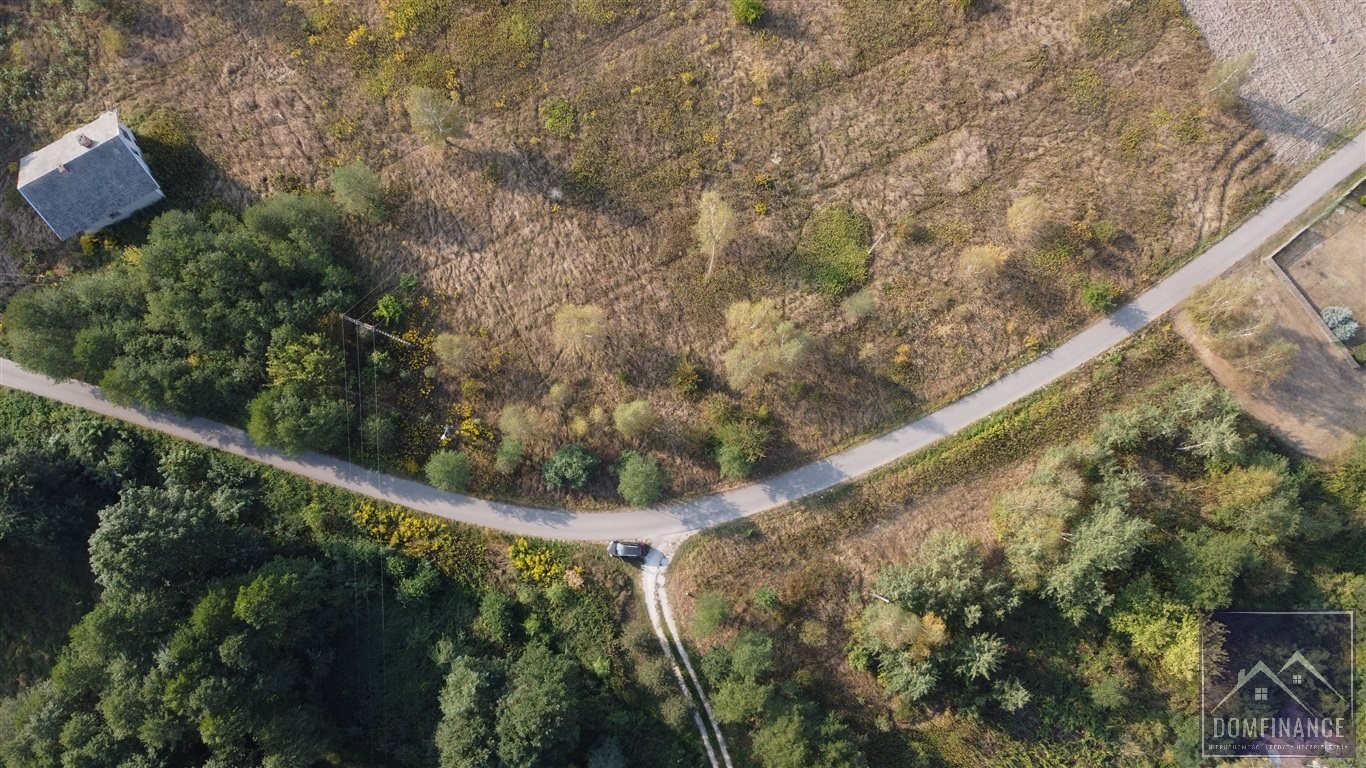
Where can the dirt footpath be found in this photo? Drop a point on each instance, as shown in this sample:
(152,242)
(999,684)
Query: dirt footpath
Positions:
(1309,81)
(1320,407)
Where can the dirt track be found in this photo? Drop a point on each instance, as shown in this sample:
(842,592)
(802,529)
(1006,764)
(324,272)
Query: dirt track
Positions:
(1308,85)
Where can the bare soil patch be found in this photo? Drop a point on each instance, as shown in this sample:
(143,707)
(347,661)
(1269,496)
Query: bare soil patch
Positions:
(1328,262)
(1308,84)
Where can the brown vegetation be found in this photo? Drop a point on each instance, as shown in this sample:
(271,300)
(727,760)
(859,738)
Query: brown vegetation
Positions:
(594,128)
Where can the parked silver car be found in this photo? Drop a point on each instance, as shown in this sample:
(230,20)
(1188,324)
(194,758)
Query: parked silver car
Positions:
(630,550)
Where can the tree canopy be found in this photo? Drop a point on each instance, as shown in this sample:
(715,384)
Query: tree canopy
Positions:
(185,321)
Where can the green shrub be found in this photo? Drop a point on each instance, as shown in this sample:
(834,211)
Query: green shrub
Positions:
(833,252)
(379,430)
(358,191)
(1100,296)
(449,471)
(641,481)
(1104,231)
(509,456)
(766,599)
(747,12)
(709,614)
(741,444)
(558,116)
(389,309)
(1108,692)
(571,466)
(687,377)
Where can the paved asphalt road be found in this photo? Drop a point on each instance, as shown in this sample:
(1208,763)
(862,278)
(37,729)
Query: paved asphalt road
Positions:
(705,511)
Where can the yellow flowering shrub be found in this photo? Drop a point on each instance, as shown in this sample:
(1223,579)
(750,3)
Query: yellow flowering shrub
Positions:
(421,536)
(537,564)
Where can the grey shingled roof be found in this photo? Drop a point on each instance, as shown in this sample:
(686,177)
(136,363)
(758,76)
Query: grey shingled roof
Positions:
(82,189)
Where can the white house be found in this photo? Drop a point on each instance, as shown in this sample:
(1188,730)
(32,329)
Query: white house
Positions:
(88,179)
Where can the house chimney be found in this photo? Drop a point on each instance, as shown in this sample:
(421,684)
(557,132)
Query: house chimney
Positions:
(61,168)
(84,141)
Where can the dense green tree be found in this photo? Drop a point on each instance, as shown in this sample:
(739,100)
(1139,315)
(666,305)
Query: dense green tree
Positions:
(464,737)
(799,738)
(640,481)
(569,467)
(1104,542)
(751,655)
(158,539)
(739,700)
(741,442)
(298,411)
(495,622)
(449,470)
(537,721)
(288,419)
(54,330)
(185,323)
(949,578)
(1348,480)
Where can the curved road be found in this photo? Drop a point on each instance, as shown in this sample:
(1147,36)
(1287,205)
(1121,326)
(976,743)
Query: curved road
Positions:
(682,517)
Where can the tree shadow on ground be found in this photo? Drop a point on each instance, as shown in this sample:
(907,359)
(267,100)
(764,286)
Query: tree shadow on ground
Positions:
(533,174)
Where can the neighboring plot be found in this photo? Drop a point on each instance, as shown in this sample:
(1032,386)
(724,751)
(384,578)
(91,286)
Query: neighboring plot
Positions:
(1328,262)
(1308,84)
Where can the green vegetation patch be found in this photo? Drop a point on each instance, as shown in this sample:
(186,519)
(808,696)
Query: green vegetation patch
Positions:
(245,615)
(833,252)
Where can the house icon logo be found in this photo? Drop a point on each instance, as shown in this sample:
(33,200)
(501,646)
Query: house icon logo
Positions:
(1277,684)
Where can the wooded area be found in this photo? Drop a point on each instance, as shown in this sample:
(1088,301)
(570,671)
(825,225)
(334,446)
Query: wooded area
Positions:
(238,617)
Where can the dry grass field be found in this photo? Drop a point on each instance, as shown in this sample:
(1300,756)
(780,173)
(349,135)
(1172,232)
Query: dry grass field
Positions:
(930,121)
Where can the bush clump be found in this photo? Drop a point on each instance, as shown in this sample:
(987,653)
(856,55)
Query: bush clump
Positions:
(570,467)
(833,252)
(449,471)
(1339,320)
(558,116)
(1100,296)
(709,614)
(640,480)
(747,12)
(634,419)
